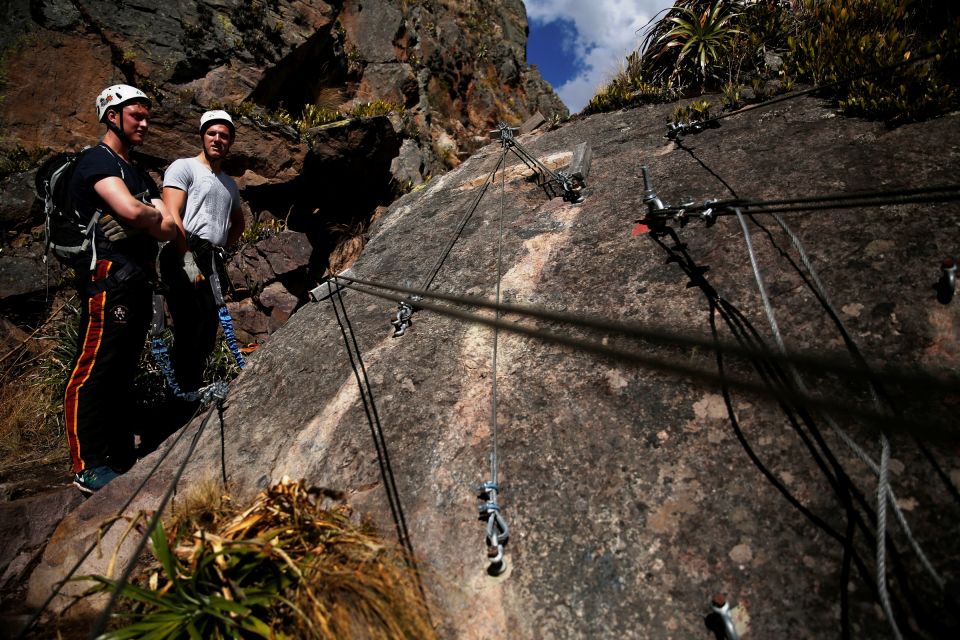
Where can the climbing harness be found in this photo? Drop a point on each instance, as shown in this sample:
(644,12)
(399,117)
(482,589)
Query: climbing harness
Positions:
(161,352)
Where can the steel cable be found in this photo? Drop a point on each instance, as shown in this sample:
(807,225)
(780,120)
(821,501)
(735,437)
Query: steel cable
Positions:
(119,514)
(101,621)
(710,377)
(376,430)
(428,280)
(821,292)
(883,485)
(918,380)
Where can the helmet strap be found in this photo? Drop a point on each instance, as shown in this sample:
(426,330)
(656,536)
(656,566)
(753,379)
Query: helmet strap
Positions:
(118,130)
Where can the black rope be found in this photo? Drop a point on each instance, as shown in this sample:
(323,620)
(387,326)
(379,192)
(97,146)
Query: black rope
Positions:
(671,366)
(58,586)
(223,445)
(918,380)
(376,431)
(101,622)
(428,281)
(716,208)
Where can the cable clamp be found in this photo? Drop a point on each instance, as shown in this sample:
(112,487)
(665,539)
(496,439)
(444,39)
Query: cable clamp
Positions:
(402,319)
(504,133)
(572,186)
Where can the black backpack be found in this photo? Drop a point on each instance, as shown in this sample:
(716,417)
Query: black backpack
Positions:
(68,237)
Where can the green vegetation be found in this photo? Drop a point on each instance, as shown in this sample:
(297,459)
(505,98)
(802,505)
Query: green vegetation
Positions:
(312,115)
(258,231)
(844,38)
(283,568)
(19,159)
(763,48)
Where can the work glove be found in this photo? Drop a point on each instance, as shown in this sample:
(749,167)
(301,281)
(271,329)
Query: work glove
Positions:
(190,268)
(113,229)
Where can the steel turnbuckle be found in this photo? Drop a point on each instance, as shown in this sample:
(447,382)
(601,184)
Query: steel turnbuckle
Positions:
(497,531)
(947,285)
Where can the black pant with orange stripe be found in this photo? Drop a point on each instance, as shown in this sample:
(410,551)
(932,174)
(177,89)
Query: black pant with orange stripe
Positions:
(98,403)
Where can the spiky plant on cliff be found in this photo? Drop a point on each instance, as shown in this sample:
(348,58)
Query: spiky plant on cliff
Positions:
(283,568)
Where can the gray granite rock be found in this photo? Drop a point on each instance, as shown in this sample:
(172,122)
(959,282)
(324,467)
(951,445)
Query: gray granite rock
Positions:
(633,494)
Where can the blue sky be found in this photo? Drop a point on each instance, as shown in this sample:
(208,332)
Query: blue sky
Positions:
(578,44)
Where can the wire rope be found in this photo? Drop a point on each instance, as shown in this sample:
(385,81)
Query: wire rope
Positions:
(101,621)
(376,430)
(119,514)
(432,274)
(883,484)
(913,380)
(821,291)
(670,366)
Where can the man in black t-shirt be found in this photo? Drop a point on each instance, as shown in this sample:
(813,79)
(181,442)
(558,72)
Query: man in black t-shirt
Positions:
(115,285)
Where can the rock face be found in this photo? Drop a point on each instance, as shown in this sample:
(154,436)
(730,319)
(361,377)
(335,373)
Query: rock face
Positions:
(633,495)
(451,70)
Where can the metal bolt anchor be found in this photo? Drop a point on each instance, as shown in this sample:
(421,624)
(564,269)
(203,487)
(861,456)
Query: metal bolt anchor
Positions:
(947,285)
(721,607)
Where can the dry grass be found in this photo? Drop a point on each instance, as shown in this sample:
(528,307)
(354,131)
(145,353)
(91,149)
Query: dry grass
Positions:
(28,432)
(32,379)
(284,568)
(200,507)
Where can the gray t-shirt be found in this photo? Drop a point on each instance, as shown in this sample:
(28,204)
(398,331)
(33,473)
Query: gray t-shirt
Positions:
(210,198)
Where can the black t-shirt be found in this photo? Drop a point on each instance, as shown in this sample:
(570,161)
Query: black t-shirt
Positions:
(100,162)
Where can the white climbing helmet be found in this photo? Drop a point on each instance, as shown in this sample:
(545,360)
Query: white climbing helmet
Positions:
(217,115)
(116,96)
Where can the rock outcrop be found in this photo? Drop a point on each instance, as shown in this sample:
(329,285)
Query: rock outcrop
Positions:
(449,71)
(633,495)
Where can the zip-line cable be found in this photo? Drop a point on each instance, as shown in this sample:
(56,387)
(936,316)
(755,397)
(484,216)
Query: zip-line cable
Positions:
(919,380)
(101,621)
(58,586)
(432,274)
(671,366)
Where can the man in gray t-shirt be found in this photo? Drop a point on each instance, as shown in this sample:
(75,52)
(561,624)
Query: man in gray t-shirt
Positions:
(206,205)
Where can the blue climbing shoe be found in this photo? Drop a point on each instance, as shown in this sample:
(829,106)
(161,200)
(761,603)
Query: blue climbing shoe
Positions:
(89,481)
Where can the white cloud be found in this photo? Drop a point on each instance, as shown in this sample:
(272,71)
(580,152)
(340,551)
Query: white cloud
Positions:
(607,30)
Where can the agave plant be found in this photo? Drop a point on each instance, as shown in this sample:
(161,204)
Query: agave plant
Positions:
(702,37)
